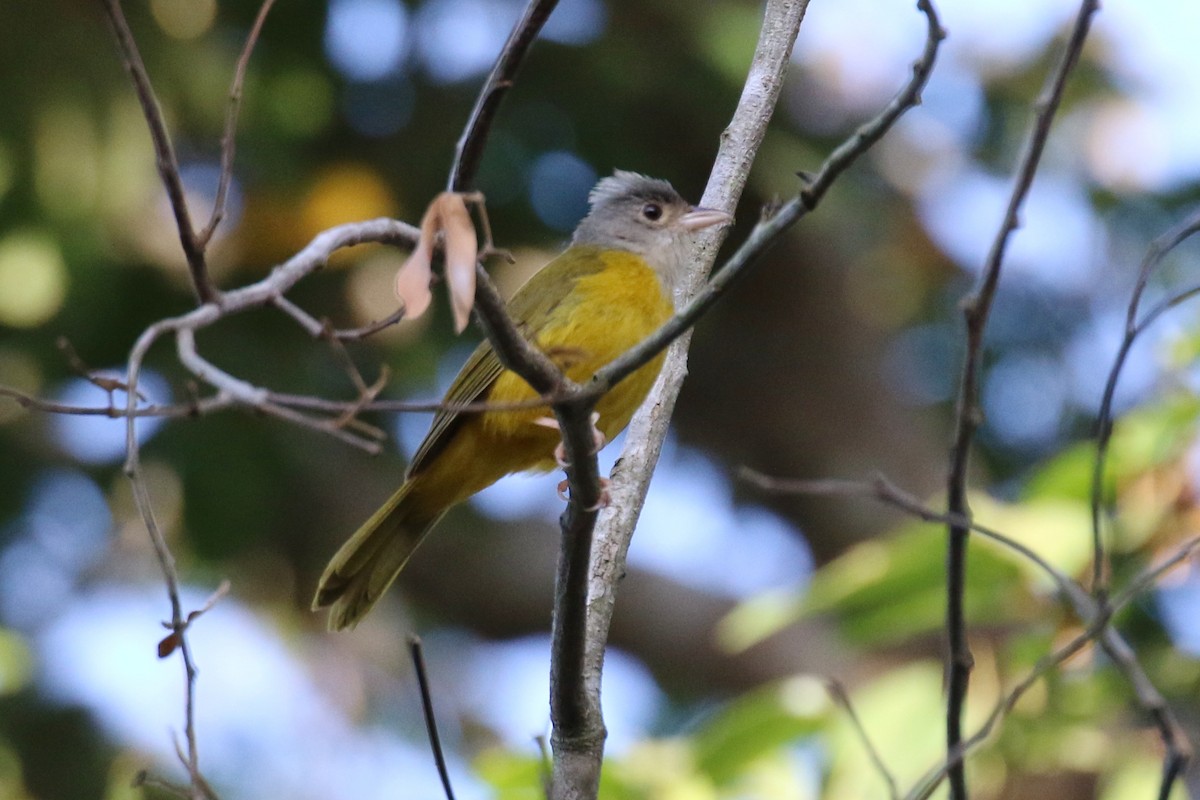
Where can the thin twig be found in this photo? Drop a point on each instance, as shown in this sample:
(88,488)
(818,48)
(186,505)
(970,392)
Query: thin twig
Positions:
(769,231)
(145,506)
(435,742)
(1158,250)
(1178,751)
(1086,608)
(469,151)
(976,309)
(885,491)
(199,407)
(358,334)
(164,151)
(229,137)
(1095,631)
(842,698)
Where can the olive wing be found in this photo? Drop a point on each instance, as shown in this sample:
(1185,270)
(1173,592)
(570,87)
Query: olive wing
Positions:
(531,307)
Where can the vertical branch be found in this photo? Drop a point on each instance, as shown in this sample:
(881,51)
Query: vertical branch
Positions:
(738,147)
(469,151)
(199,789)
(976,309)
(164,152)
(649,426)
(194,246)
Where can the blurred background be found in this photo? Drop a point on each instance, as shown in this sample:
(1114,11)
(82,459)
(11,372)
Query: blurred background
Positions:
(837,357)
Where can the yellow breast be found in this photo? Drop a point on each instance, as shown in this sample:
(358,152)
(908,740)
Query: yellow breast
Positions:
(602,314)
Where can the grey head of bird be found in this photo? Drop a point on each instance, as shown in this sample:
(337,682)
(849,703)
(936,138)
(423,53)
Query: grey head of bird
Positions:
(648,217)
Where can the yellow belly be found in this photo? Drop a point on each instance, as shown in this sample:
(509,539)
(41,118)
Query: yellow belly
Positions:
(605,314)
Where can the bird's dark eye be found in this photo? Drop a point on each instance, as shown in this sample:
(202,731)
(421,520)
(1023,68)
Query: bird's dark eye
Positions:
(652,211)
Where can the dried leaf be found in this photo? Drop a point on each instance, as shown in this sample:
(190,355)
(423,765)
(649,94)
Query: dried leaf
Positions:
(462,252)
(168,645)
(448,216)
(412,280)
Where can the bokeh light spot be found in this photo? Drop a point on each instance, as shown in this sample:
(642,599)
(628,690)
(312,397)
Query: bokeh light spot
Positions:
(184,19)
(1024,398)
(1054,246)
(66,159)
(1127,146)
(458,39)
(33,279)
(346,193)
(576,22)
(559,182)
(366,40)
(95,439)
(16,663)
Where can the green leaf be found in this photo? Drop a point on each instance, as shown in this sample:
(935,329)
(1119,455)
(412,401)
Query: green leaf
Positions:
(756,724)
(891,589)
(514,777)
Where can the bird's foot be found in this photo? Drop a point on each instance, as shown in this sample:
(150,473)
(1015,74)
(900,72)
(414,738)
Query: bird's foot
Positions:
(605,496)
(560,451)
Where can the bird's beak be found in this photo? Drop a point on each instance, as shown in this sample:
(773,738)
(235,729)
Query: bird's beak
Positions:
(697,218)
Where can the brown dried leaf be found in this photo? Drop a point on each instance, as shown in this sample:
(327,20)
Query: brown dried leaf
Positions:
(462,253)
(447,215)
(412,279)
(169,644)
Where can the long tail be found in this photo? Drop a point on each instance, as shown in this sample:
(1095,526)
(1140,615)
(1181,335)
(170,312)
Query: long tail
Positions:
(369,562)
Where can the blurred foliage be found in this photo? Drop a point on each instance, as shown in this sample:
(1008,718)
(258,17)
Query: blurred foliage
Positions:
(791,375)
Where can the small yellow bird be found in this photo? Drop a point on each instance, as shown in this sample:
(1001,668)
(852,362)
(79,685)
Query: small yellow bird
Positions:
(611,288)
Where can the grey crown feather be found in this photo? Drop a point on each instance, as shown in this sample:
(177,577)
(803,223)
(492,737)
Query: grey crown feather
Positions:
(623,183)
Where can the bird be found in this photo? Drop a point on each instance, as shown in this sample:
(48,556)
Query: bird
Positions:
(608,290)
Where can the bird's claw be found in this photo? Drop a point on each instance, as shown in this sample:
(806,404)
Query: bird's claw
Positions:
(560,450)
(605,495)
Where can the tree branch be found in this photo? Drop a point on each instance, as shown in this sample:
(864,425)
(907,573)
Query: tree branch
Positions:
(770,230)
(435,741)
(469,152)
(1158,250)
(164,151)
(1092,612)
(631,478)
(976,309)
(229,137)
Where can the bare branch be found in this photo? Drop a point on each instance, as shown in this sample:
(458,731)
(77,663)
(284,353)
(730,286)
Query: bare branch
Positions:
(1178,751)
(145,506)
(435,742)
(840,696)
(199,407)
(358,334)
(1098,630)
(1088,609)
(885,491)
(976,309)
(770,230)
(469,151)
(229,137)
(1159,249)
(164,151)
(738,148)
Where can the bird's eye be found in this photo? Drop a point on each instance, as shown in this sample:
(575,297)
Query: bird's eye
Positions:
(652,211)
